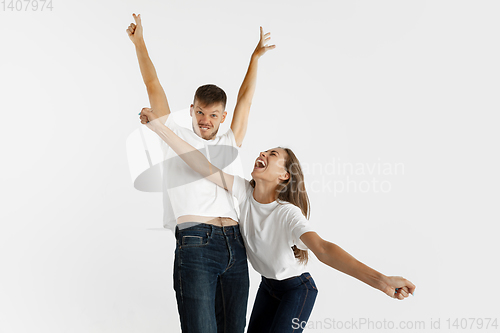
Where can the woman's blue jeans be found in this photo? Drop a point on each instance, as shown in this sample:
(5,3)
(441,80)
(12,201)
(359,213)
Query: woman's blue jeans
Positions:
(283,305)
(210,278)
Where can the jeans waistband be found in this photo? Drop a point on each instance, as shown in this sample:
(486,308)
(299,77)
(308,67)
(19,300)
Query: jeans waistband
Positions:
(210,228)
(287,283)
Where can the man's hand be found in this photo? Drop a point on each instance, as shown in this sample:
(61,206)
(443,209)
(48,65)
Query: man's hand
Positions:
(262,47)
(135,30)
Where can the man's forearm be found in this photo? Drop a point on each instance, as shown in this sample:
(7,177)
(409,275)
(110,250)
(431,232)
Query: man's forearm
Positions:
(247,89)
(146,65)
(335,257)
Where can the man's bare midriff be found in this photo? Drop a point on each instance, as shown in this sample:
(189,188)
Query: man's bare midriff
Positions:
(218,221)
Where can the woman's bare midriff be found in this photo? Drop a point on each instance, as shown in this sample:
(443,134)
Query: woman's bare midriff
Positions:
(218,221)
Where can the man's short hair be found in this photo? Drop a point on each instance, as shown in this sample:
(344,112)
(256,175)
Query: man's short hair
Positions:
(210,94)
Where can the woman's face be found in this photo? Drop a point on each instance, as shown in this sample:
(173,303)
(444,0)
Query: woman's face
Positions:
(270,166)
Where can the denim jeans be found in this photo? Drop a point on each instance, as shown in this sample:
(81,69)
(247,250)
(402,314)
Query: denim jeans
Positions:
(283,305)
(210,278)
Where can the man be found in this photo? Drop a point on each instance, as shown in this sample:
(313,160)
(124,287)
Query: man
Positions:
(210,268)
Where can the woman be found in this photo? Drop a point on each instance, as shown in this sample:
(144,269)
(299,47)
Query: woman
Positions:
(273,210)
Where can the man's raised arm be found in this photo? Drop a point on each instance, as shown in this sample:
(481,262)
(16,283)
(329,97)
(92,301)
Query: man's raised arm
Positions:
(247,89)
(157,97)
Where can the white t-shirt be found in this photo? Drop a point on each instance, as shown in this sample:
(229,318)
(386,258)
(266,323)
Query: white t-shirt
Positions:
(269,231)
(186,192)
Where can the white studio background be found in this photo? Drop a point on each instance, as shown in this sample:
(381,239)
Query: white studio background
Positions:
(404,91)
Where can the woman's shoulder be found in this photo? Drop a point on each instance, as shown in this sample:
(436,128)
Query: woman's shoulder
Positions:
(286,208)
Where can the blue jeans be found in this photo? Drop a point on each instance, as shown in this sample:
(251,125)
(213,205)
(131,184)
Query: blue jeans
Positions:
(283,305)
(210,278)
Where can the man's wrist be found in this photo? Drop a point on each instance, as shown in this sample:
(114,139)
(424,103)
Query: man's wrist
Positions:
(139,43)
(255,57)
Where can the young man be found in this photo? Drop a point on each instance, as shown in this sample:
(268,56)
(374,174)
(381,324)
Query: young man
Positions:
(210,268)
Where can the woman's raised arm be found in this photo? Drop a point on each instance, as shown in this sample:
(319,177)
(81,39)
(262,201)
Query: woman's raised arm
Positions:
(194,158)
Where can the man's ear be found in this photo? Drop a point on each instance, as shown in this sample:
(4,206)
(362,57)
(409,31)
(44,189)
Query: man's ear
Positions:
(224,114)
(191,109)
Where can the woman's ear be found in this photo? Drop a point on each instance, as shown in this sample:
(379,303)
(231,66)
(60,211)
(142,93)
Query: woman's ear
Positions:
(284,176)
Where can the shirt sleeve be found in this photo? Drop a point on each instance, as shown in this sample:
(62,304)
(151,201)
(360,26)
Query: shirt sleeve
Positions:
(298,225)
(241,189)
(170,123)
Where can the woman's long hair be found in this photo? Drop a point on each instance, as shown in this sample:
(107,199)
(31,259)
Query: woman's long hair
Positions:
(293,190)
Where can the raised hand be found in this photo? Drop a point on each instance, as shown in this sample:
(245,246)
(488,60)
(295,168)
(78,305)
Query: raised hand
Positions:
(262,47)
(135,30)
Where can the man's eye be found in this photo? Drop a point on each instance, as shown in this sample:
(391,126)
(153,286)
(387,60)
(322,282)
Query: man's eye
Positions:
(214,115)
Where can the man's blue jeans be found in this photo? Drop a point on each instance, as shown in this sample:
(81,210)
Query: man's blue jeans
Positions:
(210,278)
(283,305)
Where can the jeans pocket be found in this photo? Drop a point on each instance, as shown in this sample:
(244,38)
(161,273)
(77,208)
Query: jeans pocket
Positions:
(194,240)
(312,284)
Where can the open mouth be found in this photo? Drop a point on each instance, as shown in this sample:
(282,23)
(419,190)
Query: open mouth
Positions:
(204,128)
(260,164)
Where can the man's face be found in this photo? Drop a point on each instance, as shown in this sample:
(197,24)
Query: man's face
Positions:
(207,118)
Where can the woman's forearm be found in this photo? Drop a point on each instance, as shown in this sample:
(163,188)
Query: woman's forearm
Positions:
(335,257)
(146,65)
(193,158)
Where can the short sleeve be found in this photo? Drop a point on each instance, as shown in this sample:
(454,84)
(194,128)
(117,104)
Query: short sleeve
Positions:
(170,123)
(230,139)
(241,189)
(297,224)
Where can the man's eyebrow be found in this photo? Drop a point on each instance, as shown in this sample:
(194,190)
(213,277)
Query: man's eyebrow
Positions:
(199,108)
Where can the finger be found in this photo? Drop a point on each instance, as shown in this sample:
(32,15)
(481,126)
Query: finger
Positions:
(268,38)
(137,18)
(411,287)
(267,34)
(261,32)
(403,292)
(270,47)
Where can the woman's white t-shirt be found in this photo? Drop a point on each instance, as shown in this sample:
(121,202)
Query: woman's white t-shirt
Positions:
(269,231)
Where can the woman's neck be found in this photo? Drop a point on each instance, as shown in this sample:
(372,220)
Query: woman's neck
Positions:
(264,192)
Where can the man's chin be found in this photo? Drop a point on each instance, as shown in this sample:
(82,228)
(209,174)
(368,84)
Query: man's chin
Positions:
(206,135)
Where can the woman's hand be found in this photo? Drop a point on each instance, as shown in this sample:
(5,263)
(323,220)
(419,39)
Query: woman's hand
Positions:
(262,47)
(398,287)
(135,30)
(147,117)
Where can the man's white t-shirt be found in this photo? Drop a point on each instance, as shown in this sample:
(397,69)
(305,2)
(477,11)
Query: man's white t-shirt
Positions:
(269,231)
(185,191)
